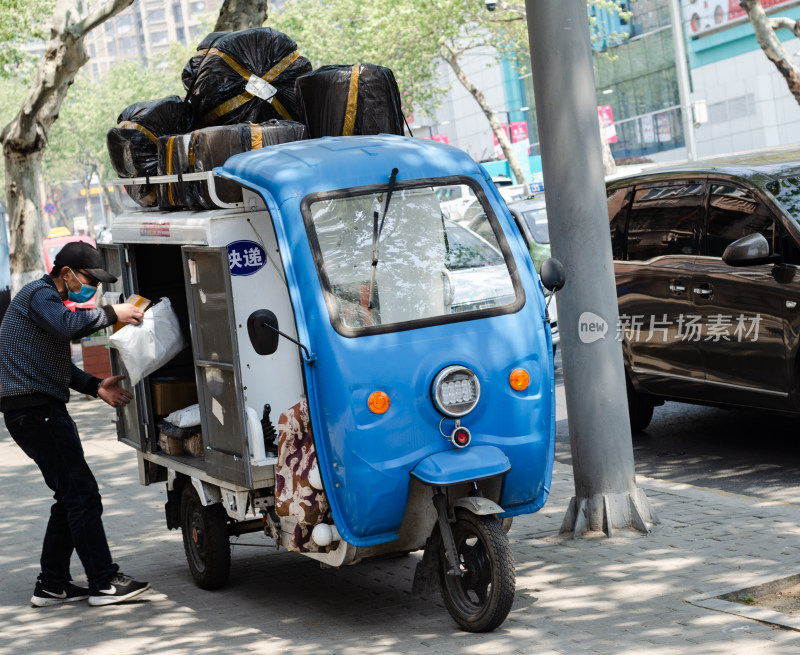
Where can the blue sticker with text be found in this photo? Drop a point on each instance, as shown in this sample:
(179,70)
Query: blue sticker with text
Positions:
(245,257)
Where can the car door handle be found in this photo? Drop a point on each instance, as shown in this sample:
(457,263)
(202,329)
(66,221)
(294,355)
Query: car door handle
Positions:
(703,291)
(676,287)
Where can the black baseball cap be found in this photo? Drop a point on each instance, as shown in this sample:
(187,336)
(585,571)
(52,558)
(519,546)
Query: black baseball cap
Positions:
(82,255)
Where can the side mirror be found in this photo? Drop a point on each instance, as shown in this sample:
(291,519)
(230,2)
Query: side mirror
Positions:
(552,274)
(750,250)
(262,328)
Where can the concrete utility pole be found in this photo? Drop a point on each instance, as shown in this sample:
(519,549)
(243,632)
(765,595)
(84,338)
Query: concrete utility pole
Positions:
(606,495)
(683,79)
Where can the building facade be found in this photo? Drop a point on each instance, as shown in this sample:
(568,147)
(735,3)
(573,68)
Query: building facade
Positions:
(748,100)
(145,30)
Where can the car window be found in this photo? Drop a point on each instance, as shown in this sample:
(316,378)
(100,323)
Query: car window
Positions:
(467,250)
(734,212)
(536,220)
(475,219)
(665,220)
(617,204)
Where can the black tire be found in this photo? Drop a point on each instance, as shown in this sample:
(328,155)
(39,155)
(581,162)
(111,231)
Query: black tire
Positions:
(481,599)
(205,540)
(640,409)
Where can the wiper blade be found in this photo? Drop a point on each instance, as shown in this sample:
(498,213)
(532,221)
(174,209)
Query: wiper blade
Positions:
(376,235)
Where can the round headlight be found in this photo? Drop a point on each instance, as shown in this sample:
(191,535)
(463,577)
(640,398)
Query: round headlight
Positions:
(456,391)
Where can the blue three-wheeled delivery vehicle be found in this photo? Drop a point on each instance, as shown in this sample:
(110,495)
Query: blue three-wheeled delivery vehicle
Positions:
(373,377)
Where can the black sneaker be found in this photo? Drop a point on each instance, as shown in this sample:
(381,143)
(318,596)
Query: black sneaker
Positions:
(120,588)
(42,597)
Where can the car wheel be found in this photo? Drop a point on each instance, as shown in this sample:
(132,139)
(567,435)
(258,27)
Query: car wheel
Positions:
(640,409)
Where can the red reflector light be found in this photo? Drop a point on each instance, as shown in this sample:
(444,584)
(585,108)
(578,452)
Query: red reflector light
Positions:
(461,437)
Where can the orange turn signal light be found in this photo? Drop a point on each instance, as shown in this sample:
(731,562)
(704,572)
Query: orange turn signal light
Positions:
(378,402)
(519,379)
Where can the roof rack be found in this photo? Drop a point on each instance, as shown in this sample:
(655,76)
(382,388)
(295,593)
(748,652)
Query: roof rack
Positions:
(202,176)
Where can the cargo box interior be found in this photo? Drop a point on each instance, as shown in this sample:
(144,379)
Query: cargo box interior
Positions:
(159,271)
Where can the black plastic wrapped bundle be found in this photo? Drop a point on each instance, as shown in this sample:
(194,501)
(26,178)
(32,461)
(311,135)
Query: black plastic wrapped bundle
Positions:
(211,147)
(173,159)
(133,143)
(244,77)
(345,100)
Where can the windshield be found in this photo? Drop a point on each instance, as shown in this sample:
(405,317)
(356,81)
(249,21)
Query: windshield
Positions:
(429,267)
(536,220)
(787,193)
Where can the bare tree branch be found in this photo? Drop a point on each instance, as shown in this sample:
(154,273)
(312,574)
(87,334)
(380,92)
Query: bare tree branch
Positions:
(100,16)
(784,23)
(771,44)
(450,57)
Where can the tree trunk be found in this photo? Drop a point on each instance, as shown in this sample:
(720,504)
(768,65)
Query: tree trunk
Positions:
(25,229)
(771,44)
(25,138)
(110,202)
(87,187)
(241,14)
(502,138)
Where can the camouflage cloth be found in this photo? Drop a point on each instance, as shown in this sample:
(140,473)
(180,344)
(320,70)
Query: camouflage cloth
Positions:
(294,496)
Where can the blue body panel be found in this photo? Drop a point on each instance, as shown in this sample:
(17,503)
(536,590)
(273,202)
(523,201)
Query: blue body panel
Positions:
(454,466)
(366,460)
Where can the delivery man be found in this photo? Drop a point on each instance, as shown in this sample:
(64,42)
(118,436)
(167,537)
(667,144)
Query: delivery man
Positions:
(36,374)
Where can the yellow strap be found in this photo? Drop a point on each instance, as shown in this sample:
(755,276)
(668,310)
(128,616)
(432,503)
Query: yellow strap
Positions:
(277,106)
(191,149)
(281,66)
(225,107)
(170,141)
(352,103)
(235,65)
(256,137)
(130,125)
(246,96)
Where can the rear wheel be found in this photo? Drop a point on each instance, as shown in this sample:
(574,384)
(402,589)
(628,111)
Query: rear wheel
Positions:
(481,598)
(205,540)
(640,409)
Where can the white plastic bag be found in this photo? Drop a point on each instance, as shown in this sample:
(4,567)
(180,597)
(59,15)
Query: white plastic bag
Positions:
(147,347)
(187,417)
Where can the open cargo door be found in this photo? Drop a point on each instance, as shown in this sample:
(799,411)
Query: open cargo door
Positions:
(132,420)
(219,385)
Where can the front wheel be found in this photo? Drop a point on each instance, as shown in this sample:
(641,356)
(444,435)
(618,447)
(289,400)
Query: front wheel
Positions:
(481,598)
(205,540)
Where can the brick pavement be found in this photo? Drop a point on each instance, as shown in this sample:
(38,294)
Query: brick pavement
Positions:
(618,596)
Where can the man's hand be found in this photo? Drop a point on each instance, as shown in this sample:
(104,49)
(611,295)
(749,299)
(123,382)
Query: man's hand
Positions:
(110,391)
(128,313)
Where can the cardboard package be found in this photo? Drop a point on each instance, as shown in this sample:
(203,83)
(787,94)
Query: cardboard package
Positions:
(171,445)
(170,394)
(133,143)
(194,445)
(342,100)
(96,358)
(134,299)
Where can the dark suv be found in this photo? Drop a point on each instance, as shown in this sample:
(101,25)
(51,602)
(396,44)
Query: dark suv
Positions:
(706,260)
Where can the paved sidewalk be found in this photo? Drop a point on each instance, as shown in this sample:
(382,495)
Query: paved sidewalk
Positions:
(617,596)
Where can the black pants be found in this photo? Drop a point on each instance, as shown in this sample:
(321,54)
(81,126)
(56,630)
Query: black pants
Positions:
(48,436)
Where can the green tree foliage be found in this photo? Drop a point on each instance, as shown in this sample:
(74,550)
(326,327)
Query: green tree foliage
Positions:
(78,138)
(404,36)
(413,38)
(21,23)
